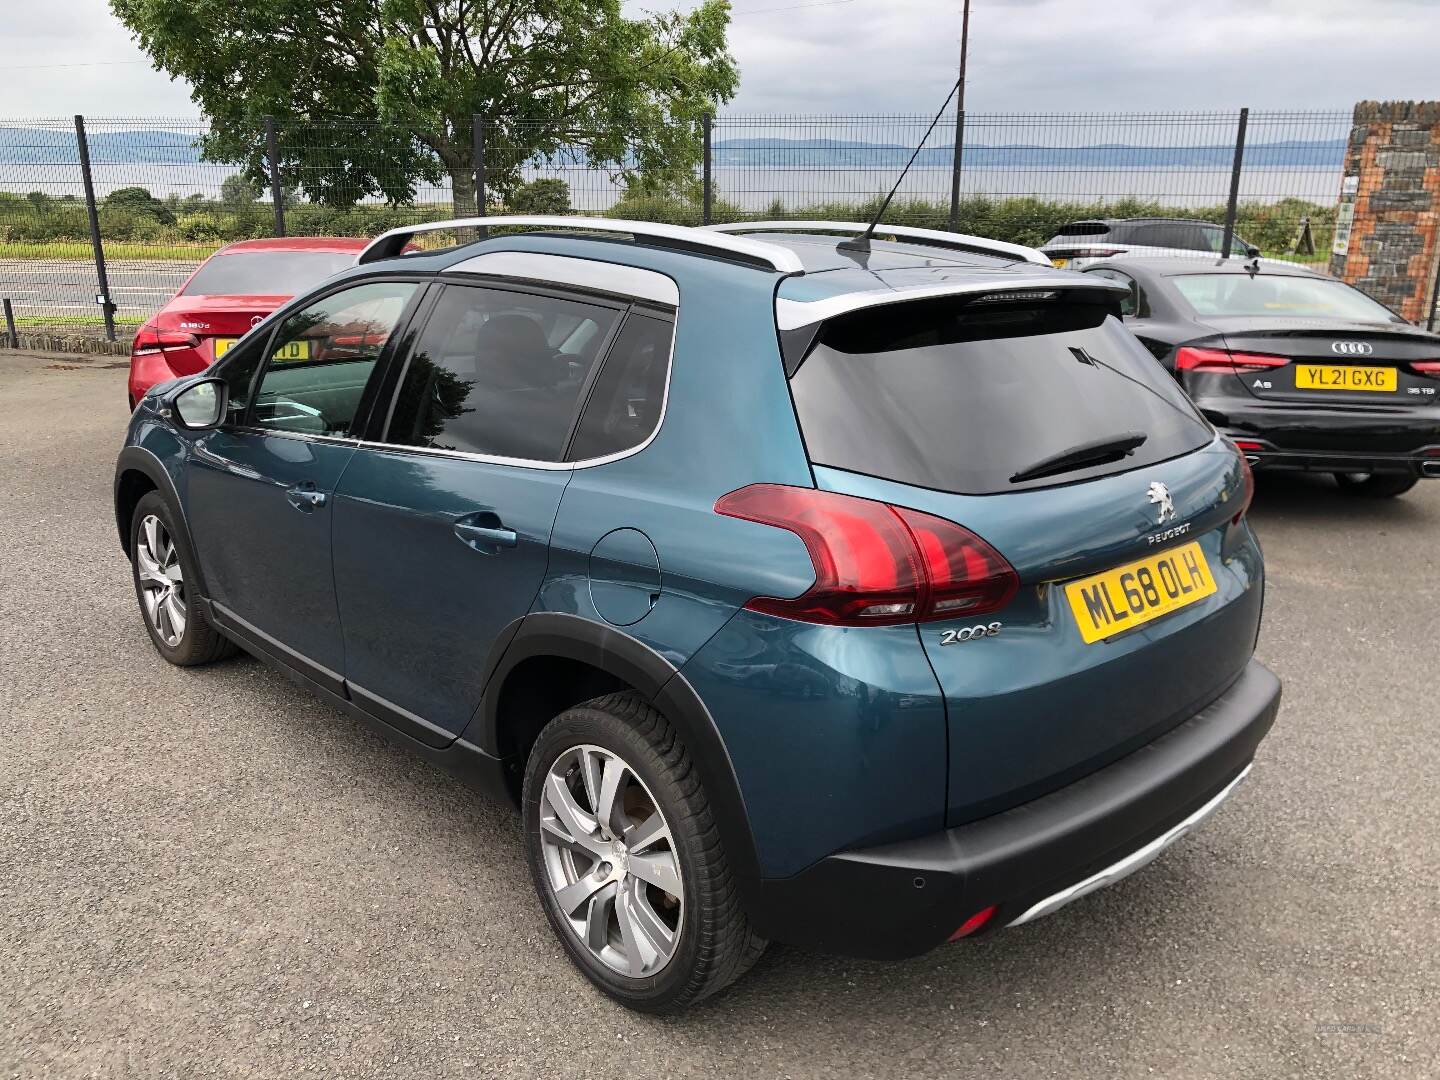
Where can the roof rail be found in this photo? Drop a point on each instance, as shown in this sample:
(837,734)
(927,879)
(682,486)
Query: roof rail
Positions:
(979,245)
(771,256)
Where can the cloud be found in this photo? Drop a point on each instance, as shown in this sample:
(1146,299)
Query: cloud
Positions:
(877,56)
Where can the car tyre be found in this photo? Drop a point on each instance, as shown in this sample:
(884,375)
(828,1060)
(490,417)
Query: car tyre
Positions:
(1375,485)
(166,585)
(649,948)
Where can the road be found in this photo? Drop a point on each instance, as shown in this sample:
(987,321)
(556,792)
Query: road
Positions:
(55,288)
(207,873)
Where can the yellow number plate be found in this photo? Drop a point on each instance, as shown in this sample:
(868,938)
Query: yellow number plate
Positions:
(1132,595)
(291,350)
(1060,264)
(1332,377)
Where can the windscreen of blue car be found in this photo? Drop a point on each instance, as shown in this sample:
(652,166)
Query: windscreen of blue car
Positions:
(266,273)
(963,397)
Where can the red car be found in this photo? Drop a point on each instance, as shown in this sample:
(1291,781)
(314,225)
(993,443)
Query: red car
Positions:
(226,295)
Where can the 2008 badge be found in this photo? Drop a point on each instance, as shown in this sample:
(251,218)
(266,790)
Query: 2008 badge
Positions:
(969,633)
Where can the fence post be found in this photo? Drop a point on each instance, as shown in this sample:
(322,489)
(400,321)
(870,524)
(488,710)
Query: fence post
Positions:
(708,181)
(1233,204)
(10,325)
(478,151)
(955,170)
(107,306)
(277,194)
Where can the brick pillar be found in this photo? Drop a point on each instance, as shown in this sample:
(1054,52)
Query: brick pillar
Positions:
(1392,189)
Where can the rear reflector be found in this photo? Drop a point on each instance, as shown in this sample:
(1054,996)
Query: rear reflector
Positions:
(875,564)
(1219,361)
(1249,483)
(1248,446)
(973,923)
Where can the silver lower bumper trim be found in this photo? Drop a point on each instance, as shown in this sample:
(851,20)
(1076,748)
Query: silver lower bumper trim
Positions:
(1130,863)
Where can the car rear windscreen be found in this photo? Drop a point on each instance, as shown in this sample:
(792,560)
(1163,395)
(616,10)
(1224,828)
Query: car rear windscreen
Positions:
(1271,294)
(965,397)
(266,273)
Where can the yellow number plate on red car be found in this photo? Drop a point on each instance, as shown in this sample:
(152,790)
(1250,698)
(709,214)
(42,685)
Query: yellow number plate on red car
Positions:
(291,350)
(1132,595)
(1334,377)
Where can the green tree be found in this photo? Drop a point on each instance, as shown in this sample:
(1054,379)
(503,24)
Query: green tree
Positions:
(546,195)
(140,201)
(585,82)
(238,192)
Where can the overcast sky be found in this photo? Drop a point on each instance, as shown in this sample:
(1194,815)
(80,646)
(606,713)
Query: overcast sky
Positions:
(809,56)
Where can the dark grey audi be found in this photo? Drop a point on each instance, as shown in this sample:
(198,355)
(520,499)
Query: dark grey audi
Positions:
(1301,370)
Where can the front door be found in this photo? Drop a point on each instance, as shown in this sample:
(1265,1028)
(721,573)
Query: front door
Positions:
(442,535)
(261,489)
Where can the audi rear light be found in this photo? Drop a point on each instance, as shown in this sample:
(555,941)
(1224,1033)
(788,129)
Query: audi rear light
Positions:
(1425,367)
(149,339)
(1086,253)
(1221,362)
(875,564)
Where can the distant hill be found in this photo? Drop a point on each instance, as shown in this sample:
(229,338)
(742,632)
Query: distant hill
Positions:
(817,153)
(55,145)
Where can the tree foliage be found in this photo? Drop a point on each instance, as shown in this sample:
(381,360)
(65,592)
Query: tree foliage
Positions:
(564,79)
(138,200)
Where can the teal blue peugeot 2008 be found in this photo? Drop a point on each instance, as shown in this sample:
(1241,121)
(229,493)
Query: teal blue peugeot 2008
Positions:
(861,592)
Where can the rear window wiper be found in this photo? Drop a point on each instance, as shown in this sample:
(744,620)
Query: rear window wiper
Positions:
(1098,452)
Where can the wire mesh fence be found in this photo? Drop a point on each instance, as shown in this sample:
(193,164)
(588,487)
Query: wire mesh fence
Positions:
(168,193)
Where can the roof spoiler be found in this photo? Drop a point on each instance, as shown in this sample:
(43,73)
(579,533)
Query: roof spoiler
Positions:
(742,249)
(975,245)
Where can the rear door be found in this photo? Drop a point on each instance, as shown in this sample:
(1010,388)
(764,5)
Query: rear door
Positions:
(1139,599)
(443,523)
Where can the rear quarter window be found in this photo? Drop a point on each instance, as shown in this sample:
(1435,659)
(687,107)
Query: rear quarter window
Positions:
(962,397)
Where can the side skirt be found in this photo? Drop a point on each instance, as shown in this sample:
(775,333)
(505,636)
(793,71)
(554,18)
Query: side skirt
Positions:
(461,759)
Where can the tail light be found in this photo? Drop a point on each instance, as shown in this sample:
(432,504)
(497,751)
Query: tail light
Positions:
(149,339)
(875,564)
(1425,367)
(1221,362)
(1248,481)
(1086,253)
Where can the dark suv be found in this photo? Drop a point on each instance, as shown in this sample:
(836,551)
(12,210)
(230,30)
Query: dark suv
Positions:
(1081,243)
(859,595)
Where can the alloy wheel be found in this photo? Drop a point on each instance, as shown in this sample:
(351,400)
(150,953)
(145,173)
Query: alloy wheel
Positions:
(162,582)
(611,861)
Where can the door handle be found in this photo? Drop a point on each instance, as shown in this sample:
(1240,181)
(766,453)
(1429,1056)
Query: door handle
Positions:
(485,532)
(305,498)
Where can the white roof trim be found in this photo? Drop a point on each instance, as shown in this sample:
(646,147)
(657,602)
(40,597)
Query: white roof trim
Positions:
(793,314)
(778,258)
(960,241)
(566,270)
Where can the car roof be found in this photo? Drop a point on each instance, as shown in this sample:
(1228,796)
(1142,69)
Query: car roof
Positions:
(298,243)
(1182,266)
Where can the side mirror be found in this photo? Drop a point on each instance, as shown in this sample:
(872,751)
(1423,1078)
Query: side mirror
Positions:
(200,405)
(1251,251)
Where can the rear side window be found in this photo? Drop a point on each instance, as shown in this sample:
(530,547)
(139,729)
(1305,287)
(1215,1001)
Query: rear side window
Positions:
(625,404)
(499,373)
(266,273)
(965,397)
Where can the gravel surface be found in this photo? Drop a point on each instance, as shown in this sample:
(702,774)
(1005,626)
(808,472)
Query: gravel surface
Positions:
(208,873)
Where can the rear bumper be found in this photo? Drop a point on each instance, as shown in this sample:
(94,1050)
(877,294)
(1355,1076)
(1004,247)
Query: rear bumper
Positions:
(1263,455)
(905,898)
